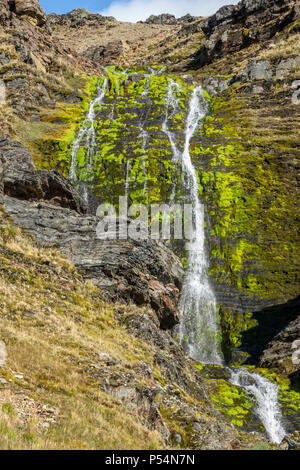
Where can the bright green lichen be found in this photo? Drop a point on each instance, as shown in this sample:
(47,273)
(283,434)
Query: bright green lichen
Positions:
(231,401)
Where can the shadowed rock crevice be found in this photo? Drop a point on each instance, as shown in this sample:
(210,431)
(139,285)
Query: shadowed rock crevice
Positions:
(273,341)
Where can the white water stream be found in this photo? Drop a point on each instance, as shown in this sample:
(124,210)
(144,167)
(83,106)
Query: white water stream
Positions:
(265,394)
(87,136)
(199,332)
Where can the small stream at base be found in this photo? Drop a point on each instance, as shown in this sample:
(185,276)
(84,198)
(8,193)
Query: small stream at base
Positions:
(265,394)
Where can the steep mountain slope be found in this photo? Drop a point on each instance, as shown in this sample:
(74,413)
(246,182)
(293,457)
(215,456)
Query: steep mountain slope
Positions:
(82,372)
(247,57)
(247,155)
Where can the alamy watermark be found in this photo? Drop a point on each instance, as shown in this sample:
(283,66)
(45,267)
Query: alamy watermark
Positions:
(140,222)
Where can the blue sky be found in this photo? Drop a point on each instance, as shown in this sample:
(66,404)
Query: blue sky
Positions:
(57,6)
(135,10)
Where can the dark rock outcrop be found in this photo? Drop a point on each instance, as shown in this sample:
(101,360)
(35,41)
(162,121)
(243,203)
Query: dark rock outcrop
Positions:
(271,342)
(31,8)
(234,27)
(78,18)
(105,54)
(283,351)
(144,272)
(164,18)
(20,179)
(167,19)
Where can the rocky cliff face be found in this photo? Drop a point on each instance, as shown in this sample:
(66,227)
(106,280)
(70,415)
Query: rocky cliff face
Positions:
(148,274)
(233,28)
(165,394)
(29,8)
(20,179)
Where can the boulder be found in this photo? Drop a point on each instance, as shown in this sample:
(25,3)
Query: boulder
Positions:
(2,353)
(255,70)
(215,85)
(285,66)
(259,70)
(20,178)
(2,92)
(31,8)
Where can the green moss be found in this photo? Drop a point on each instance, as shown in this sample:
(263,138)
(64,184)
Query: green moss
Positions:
(288,398)
(231,401)
(58,128)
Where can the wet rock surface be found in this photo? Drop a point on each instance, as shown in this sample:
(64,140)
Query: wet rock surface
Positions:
(283,351)
(274,341)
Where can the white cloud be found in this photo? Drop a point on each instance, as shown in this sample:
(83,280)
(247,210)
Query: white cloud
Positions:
(135,10)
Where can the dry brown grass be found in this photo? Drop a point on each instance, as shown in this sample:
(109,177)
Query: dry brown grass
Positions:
(54,325)
(286,47)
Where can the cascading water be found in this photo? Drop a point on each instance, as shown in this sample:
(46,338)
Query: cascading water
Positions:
(172,107)
(265,394)
(87,136)
(144,136)
(199,331)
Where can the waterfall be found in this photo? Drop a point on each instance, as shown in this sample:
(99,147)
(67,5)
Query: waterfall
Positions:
(172,106)
(265,394)
(199,331)
(127,178)
(144,136)
(87,136)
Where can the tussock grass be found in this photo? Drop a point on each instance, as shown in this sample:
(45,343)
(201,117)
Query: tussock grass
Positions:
(288,46)
(54,325)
